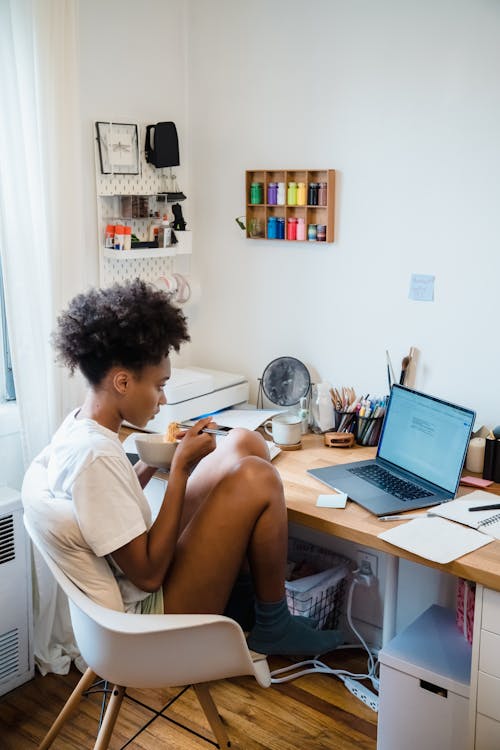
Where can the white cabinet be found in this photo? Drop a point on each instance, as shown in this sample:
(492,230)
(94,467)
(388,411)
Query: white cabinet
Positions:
(424,686)
(485,678)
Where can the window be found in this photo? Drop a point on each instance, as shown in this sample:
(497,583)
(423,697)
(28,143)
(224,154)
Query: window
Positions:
(7,390)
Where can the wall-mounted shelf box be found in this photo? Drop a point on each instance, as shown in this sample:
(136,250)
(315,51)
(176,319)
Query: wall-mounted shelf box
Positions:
(257,214)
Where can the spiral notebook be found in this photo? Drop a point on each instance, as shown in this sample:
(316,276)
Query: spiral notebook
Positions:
(486,521)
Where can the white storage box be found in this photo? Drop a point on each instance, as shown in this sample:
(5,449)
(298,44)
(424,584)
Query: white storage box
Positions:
(424,686)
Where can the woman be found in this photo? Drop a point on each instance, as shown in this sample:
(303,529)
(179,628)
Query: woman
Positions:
(222,507)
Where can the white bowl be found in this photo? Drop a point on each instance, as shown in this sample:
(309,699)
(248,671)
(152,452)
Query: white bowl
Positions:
(155,451)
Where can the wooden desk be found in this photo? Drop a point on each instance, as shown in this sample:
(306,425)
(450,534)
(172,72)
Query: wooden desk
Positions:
(357,524)
(354,523)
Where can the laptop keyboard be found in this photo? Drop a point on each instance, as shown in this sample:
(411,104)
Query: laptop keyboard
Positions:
(383,479)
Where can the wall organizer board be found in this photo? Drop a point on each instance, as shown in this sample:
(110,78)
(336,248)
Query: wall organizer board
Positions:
(135,195)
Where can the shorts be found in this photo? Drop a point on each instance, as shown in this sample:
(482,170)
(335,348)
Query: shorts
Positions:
(153,603)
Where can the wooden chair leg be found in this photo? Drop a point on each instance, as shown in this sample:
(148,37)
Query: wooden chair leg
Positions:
(110,717)
(210,711)
(71,704)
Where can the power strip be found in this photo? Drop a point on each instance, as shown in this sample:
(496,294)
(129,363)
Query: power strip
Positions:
(362,693)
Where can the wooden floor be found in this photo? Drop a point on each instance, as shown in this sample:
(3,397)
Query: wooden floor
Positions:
(315,712)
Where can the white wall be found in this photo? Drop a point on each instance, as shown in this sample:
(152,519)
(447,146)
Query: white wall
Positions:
(402,99)
(132,69)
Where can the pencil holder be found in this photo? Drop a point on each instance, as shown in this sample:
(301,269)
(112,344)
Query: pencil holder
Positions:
(368,430)
(345,421)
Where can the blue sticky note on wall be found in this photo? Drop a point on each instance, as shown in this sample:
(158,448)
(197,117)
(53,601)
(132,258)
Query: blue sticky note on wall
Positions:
(422,287)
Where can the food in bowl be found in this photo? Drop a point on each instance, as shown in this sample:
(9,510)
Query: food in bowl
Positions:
(171,433)
(154,450)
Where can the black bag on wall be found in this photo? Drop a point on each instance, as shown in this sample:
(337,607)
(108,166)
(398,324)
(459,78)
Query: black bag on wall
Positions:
(162,145)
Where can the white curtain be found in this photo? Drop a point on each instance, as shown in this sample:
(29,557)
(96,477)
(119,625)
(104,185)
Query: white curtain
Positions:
(41,241)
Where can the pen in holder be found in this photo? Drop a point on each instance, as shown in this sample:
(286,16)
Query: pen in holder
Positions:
(345,421)
(368,430)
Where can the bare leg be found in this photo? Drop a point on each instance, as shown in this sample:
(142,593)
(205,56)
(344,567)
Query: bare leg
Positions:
(244,512)
(209,472)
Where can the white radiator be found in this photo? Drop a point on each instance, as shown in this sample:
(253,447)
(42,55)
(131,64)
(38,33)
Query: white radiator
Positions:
(16,619)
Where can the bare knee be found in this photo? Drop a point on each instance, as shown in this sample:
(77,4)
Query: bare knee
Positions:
(256,477)
(248,443)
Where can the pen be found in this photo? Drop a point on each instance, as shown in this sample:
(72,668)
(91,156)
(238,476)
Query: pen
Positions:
(495,506)
(405,517)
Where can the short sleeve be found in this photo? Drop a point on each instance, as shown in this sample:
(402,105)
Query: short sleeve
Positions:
(110,507)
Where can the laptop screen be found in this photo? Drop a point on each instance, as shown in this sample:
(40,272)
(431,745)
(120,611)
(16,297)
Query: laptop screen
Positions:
(426,436)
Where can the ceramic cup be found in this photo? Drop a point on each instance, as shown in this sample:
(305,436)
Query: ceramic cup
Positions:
(285,429)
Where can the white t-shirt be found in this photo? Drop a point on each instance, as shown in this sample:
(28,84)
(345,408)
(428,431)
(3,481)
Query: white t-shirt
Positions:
(88,465)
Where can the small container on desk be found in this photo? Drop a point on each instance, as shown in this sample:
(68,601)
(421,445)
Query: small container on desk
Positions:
(368,430)
(345,421)
(491,467)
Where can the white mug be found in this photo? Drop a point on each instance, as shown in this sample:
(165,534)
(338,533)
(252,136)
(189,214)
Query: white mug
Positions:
(285,429)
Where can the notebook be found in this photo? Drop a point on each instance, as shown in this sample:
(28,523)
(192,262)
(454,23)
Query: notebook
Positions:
(419,459)
(486,521)
(435,539)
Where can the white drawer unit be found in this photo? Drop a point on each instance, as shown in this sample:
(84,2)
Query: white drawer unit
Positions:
(424,686)
(485,675)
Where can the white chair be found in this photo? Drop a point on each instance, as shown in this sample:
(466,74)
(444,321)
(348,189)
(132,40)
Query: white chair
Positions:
(142,651)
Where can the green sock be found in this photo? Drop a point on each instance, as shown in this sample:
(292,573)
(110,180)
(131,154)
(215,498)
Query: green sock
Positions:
(277,632)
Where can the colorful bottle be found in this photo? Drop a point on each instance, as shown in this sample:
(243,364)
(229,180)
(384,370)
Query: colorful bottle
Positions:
(281,228)
(301,194)
(292,229)
(256,192)
(321,232)
(272,228)
(280,199)
(272,193)
(312,194)
(292,194)
(301,229)
(311,232)
(322,194)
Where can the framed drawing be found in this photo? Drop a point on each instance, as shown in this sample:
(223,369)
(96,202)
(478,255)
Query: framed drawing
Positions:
(118,147)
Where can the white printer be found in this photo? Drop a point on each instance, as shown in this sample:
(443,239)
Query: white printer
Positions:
(194,391)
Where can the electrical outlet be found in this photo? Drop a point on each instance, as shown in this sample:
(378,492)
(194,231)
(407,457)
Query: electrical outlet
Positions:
(368,558)
(362,693)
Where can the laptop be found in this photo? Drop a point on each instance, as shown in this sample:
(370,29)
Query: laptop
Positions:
(419,460)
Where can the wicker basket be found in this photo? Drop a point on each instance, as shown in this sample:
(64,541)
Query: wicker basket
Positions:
(320,595)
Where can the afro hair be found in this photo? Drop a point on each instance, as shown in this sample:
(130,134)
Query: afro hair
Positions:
(130,325)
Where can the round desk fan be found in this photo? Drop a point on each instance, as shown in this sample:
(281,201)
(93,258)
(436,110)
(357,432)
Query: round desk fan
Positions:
(284,382)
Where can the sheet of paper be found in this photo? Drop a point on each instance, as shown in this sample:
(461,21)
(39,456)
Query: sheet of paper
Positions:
(435,539)
(249,418)
(421,287)
(338,500)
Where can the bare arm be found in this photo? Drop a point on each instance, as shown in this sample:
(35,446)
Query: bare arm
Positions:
(144,472)
(146,559)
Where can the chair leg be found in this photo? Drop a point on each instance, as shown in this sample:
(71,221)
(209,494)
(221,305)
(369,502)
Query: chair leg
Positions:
(210,711)
(71,704)
(110,717)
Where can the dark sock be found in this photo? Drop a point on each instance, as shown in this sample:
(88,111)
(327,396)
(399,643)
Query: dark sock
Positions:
(277,632)
(241,604)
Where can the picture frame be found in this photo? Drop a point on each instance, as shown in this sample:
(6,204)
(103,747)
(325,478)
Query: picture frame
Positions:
(118,144)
